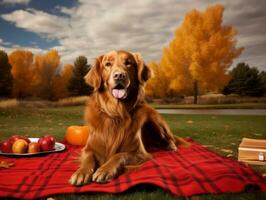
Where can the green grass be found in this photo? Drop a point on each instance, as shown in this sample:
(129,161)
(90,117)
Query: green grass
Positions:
(212,106)
(221,133)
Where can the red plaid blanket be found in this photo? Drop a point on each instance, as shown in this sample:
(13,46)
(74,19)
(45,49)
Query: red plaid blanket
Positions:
(189,171)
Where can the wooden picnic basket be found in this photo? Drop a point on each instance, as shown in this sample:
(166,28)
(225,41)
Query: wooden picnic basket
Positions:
(252,151)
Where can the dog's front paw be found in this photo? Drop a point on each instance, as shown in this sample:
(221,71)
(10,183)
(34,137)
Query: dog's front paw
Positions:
(172,146)
(81,177)
(104,175)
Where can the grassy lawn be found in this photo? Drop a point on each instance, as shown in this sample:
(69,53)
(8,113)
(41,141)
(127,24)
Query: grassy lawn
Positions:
(212,106)
(220,133)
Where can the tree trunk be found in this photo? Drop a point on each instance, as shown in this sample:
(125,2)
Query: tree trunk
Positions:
(195,92)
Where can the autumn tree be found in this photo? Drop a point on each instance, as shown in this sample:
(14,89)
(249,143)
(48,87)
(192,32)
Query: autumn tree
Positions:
(199,56)
(22,71)
(45,67)
(77,85)
(5,75)
(156,86)
(60,82)
(246,81)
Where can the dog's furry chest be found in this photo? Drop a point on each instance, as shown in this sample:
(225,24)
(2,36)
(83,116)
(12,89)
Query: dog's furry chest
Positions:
(111,136)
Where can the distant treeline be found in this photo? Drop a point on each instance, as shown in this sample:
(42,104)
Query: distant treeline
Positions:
(24,75)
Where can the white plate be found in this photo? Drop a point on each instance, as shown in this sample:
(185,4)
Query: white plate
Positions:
(58,147)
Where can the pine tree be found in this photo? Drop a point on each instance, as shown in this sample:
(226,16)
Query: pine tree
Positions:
(262,76)
(246,81)
(6,80)
(77,85)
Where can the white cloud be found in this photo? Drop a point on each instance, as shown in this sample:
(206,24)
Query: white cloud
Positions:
(39,22)
(2,42)
(98,27)
(10,49)
(65,10)
(95,27)
(13,2)
(251,40)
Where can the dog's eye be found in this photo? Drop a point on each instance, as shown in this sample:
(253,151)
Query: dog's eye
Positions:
(128,63)
(108,64)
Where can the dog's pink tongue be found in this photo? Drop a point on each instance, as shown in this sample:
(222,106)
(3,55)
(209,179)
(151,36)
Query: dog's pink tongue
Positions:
(118,93)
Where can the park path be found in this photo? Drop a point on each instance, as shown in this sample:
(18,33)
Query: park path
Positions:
(254,112)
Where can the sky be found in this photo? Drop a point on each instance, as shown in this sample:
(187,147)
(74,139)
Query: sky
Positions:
(92,28)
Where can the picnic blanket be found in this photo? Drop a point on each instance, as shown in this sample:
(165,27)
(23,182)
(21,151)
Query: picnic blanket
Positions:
(186,172)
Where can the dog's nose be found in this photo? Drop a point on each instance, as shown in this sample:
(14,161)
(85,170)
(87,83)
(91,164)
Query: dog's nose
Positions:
(119,76)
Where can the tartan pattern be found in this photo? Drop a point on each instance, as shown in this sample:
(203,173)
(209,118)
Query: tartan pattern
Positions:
(187,172)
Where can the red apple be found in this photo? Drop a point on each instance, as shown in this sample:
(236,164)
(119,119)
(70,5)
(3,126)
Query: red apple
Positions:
(20,146)
(47,143)
(50,138)
(34,147)
(14,138)
(6,146)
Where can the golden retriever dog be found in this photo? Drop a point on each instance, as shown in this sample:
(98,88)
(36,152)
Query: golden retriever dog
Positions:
(123,128)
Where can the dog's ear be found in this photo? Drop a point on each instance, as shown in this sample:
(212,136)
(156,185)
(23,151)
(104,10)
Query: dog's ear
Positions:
(93,78)
(144,72)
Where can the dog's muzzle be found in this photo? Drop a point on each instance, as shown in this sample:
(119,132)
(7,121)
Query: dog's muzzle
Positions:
(119,92)
(120,89)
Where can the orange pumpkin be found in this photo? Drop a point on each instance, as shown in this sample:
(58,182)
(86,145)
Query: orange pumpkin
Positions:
(77,135)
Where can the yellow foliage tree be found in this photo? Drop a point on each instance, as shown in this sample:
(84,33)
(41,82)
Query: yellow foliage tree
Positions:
(60,82)
(45,67)
(22,71)
(199,56)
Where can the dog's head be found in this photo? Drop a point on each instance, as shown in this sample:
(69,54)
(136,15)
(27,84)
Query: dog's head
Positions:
(118,73)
